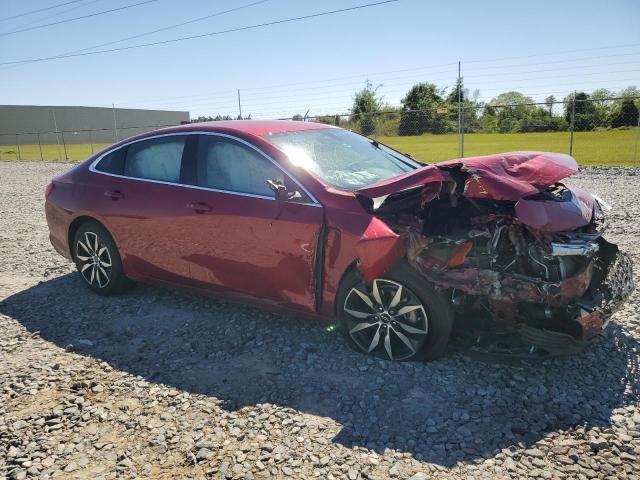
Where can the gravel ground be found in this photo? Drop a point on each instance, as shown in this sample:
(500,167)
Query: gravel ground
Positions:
(159,384)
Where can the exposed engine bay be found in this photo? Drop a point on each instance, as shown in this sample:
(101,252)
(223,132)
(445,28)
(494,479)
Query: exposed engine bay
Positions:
(515,249)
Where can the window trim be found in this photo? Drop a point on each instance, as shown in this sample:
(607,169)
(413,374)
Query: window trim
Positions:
(92,168)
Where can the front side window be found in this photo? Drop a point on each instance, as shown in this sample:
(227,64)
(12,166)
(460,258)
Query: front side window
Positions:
(155,159)
(341,158)
(224,164)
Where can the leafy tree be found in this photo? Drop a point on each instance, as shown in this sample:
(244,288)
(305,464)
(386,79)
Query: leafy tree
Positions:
(515,112)
(217,118)
(625,115)
(586,115)
(509,109)
(629,92)
(469,110)
(328,119)
(511,98)
(459,87)
(366,104)
(419,113)
(549,101)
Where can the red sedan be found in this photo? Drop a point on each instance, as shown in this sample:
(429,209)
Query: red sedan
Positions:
(324,222)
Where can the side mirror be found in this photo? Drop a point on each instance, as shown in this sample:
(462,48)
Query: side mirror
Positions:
(282,193)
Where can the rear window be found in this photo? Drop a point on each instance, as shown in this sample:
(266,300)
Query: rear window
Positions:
(155,159)
(112,162)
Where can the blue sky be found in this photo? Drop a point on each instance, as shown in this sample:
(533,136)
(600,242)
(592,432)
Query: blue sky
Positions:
(538,48)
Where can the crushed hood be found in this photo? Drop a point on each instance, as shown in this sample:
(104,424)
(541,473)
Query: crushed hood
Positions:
(504,176)
(515,176)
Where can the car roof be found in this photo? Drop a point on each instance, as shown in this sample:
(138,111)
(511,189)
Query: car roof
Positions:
(250,127)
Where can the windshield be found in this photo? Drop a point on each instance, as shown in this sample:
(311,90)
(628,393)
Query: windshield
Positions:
(342,159)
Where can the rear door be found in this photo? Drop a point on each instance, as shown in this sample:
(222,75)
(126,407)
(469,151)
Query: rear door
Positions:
(244,240)
(145,205)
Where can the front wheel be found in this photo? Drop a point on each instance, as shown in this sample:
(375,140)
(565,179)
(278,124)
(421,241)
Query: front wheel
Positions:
(397,317)
(97,259)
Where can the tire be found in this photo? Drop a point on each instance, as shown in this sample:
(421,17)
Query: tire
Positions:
(427,327)
(101,269)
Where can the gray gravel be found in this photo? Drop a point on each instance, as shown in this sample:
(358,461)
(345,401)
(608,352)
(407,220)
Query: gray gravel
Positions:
(160,384)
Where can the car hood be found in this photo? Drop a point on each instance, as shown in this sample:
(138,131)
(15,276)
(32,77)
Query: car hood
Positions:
(515,176)
(504,176)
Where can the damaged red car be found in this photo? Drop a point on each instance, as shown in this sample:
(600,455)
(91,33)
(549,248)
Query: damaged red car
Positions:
(327,223)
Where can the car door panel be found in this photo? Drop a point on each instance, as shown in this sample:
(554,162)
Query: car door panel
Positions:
(261,248)
(148,216)
(247,242)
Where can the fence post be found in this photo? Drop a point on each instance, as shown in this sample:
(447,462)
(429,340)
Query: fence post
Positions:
(115,123)
(18,147)
(64,144)
(91,140)
(460,133)
(40,146)
(635,151)
(573,119)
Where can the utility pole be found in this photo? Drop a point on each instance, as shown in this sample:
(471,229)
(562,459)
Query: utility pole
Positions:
(239,104)
(460,115)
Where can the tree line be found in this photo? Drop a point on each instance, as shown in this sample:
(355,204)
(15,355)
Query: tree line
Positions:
(427,108)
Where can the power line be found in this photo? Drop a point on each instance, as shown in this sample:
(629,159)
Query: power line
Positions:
(151,32)
(203,35)
(169,27)
(36,27)
(58,13)
(307,90)
(373,76)
(554,53)
(39,10)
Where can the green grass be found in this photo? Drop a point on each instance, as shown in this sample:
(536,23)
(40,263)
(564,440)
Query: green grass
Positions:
(610,147)
(56,153)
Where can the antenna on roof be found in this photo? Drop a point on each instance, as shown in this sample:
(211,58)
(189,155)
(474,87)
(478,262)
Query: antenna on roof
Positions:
(304,119)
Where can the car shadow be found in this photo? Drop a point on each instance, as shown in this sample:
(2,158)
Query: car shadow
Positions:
(447,411)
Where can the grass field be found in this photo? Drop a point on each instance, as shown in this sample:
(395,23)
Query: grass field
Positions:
(611,147)
(56,153)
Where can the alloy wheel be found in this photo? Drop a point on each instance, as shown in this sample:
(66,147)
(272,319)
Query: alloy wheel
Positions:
(389,319)
(95,260)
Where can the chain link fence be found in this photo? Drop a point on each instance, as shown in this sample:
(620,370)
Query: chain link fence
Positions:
(65,145)
(596,132)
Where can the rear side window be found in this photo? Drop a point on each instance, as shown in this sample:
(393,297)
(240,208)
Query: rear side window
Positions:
(224,164)
(155,159)
(112,162)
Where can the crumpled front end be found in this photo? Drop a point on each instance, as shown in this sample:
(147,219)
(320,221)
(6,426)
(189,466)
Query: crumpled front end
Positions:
(525,256)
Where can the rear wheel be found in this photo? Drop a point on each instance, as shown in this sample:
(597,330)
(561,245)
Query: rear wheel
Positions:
(396,317)
(97,259)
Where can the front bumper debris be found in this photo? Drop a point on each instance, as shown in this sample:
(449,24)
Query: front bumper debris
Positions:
(547,318)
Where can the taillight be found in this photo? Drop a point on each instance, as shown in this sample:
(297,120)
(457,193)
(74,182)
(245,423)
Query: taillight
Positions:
(48,190)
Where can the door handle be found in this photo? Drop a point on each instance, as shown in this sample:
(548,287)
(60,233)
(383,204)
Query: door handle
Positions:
(199,207)
(114,194)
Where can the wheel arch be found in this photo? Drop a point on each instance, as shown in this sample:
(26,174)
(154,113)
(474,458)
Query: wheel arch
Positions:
(77,223)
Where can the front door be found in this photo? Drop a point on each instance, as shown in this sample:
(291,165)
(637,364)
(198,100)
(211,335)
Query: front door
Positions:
(244,240)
